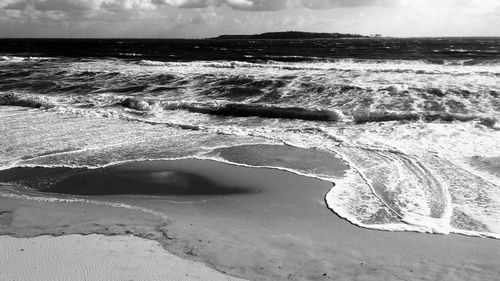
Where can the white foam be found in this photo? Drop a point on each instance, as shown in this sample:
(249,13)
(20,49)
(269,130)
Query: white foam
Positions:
(17,59)
(401,66)
(456,142)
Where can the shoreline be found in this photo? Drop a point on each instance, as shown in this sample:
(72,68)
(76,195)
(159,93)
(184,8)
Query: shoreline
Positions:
(218,160)
(252,236)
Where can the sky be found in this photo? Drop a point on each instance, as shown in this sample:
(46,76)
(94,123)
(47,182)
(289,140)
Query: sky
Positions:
(208,18)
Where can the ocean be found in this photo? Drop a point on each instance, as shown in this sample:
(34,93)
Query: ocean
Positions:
(415,119)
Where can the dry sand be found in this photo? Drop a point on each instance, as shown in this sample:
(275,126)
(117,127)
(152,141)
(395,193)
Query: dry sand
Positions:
(95,257)
(276,227)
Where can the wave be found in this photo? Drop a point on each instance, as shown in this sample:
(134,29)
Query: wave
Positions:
(136,104)
(309,114)
(11,59)
(377,66)
(23,59)
(16,74)
(382,116)
(212,64)
(462,62)
(238,110)
(25,100)
(130,54)
(152,63)
(147,107)
(257,110)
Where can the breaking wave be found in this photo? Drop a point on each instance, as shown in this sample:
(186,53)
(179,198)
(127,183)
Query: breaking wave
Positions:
(365,117)
(144,106)
(17,59)
(377,66)
(25,100)
(264,111)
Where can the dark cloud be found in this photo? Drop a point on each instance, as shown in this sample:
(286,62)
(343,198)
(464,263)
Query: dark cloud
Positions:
(20,5)
(80,6)
(62,5)
(51,5)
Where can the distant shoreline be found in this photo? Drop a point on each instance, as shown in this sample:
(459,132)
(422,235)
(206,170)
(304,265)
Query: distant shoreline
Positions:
(225,36)
(294,35)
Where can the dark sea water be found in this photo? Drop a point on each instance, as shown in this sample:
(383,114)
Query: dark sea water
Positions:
(433,50)
(415,119)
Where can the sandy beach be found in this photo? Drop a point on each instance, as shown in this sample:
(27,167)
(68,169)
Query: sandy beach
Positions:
(261,224)
(96,257)
(280,140)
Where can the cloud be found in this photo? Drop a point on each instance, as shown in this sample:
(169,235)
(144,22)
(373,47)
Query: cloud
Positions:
(125,5)
(20,5)
(63,5)
(275,5)
(51,5)
(328,4)
(243,5)
(257,5)
(78,6)
(205,18)
(73,11)
(239,4)
(189,4)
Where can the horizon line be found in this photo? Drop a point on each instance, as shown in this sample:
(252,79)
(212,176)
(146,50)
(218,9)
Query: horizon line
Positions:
(207,38)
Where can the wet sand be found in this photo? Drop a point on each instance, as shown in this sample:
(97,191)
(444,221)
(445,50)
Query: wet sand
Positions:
(260,224)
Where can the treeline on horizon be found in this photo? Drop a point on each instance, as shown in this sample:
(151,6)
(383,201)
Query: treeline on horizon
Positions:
(291,35)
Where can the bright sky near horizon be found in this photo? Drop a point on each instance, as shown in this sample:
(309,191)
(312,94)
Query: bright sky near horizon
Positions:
(207,18)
